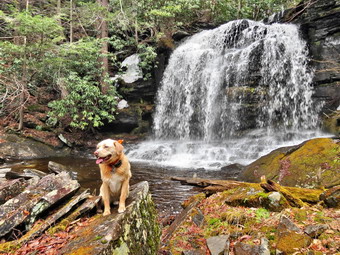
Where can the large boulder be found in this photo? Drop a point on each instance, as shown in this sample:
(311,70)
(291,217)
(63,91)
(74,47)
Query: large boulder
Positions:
(135,119)
(16,147)
(135,231)
(310,164)
(332,122)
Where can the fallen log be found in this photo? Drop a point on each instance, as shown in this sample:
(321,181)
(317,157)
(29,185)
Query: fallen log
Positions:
(207,182)
(213,186)
(180,218)
(36,198)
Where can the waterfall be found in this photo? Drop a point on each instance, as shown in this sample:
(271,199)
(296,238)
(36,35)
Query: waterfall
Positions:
(231,94)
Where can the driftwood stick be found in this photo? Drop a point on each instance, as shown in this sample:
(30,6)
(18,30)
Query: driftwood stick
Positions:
(273,186)
(178,221)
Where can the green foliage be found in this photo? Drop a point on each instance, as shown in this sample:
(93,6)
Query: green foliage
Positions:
(85,106)
(22,56)
(41,56)
(147,55)
(261,214)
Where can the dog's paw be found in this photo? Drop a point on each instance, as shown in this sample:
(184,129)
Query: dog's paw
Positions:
(106,213)
(121,209)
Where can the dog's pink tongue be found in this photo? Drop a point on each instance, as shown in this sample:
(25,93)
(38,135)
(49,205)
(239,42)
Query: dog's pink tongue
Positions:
(99,160)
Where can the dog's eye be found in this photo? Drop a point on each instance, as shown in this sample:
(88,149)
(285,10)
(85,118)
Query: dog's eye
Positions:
(106,146)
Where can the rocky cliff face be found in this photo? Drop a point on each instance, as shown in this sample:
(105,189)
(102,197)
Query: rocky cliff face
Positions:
(320,26)
(319,23)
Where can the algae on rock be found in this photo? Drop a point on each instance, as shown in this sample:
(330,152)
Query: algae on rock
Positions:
(314,163)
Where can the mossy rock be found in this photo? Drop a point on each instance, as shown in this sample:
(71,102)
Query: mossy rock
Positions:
(331,123)
(254,196)
(314,163)
(120,233)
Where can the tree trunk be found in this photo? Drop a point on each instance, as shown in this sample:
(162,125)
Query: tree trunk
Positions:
(23,86)
(71,21)
(239,9)
(104,34)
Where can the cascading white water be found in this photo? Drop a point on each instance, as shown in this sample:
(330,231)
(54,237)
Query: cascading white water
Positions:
(219,83)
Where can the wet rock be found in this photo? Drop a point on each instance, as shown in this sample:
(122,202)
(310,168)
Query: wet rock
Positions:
(135,231)
(11,188)
(311,164)
(246,249)
(315,231)
(64,140)
(290,237)
(133,71)
(264,247)
(57,168)
(193,252)
(332,122)
(16,147)
(134,119)
(198,218)
(319,23)
(139,90)
(3,172)
(232,171)
(331,197)
(36,198)
(179,35)
(122,104)
(255,197)
(218,245)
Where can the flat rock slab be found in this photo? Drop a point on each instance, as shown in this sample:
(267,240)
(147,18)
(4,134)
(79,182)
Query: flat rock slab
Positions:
(35,199)
(218,245)
(133,232)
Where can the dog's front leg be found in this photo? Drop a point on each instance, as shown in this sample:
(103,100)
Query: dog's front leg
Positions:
(105,194)
(123,195)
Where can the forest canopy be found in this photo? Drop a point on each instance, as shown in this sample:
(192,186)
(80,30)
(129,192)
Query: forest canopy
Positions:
(71,49)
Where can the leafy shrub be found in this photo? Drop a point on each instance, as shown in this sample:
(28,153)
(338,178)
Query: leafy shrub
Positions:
(84,106)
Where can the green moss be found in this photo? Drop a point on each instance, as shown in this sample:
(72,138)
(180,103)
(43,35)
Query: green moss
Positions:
(261,214)
(320,218)
(9,247)
(312,164)
(148,231)
(194,198)
(300,215)
(59,227)
(82,250)
(234,217)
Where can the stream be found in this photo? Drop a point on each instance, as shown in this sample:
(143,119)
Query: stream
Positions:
(167,194)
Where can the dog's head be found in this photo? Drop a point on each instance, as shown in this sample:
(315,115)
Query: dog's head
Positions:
(108,151)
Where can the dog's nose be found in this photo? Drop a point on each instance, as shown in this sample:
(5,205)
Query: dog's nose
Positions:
(95,153)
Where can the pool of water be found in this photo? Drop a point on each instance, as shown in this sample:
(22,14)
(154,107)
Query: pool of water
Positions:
(167,194)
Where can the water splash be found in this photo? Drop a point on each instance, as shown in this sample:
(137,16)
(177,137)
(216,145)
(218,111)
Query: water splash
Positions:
(221,83)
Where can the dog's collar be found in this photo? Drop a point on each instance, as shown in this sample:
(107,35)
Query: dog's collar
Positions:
(116,164)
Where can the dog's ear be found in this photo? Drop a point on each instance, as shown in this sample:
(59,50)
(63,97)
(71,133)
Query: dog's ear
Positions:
(119,147)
